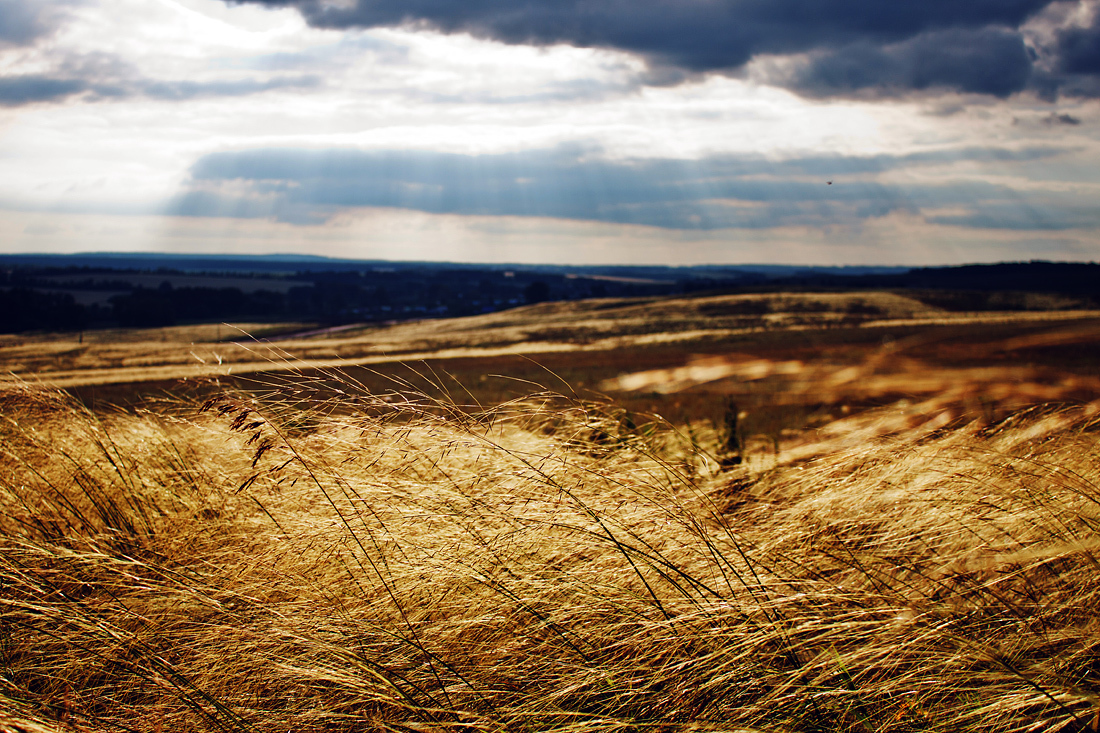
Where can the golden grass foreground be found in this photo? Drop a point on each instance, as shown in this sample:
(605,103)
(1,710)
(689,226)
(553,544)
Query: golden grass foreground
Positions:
(545,565)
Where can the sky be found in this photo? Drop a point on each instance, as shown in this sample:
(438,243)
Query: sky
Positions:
(676,132)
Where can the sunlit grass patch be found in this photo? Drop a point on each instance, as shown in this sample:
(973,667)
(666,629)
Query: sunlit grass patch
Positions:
(245,564)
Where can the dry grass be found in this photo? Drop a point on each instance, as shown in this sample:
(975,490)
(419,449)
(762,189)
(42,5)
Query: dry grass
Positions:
(606,326)
(544,565)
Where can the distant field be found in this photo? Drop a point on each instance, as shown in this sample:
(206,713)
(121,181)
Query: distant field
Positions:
(783,362)
(609,325)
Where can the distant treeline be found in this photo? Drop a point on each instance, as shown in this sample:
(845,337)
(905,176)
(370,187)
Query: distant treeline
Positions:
(70,298)
(1002,286)
(25,309)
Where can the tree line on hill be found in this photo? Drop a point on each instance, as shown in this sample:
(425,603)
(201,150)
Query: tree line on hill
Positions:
(70,298)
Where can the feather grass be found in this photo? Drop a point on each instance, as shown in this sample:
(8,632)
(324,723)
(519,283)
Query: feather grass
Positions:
(413,564)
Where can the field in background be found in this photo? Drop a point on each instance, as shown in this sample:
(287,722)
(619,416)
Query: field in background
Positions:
(781,362)
(531,521)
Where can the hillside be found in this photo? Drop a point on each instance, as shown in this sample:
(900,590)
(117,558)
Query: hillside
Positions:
(784,362)
(116,356)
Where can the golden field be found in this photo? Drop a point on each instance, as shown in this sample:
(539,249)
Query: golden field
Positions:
(368,530)
(684,324)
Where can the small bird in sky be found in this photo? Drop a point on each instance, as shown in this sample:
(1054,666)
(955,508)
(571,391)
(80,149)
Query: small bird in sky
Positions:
(829,182)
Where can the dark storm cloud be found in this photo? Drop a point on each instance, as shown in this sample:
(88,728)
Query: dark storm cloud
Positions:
(22,22)
(985,61)
(31,88)
(571,182)
(1079,49)
(842,46)
(694,34)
